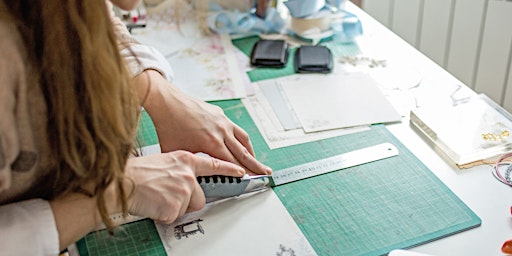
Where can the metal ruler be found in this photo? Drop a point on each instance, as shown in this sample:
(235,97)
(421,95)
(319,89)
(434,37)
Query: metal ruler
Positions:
(219,187)
(338,162)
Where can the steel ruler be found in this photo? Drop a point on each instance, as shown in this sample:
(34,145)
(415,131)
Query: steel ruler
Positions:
(218,187)
(334,163)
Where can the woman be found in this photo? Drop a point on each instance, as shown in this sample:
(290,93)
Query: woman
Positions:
(69,112)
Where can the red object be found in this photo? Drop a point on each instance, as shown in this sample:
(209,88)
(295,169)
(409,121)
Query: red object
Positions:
(134,19)
(507,247)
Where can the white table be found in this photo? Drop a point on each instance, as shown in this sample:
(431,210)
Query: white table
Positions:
(476,186)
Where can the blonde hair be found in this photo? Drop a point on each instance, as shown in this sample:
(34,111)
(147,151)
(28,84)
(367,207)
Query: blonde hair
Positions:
(92,107)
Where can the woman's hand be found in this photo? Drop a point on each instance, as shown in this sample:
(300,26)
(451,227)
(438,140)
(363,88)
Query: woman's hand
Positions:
(164,186)
(185,123)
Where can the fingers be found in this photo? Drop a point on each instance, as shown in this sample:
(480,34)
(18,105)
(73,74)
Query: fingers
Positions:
(242,150)
(243,138)
(207,166)
(191,201)
(197,200)
(166,187)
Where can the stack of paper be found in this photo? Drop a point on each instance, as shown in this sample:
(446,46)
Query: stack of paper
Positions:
(317,106)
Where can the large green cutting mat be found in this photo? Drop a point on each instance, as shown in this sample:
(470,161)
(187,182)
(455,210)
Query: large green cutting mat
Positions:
(364,210)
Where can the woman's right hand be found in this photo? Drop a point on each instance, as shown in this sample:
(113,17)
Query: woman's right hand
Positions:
(164,187)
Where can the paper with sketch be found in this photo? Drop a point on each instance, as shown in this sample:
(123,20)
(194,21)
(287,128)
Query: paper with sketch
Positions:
(256,224)
(324,102)
(163,32)
(204,71)
(207,67)
(265,119)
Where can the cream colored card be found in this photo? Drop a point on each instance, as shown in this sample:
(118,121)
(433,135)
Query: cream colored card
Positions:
(338,101)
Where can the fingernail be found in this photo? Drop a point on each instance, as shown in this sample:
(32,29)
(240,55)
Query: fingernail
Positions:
(268,170)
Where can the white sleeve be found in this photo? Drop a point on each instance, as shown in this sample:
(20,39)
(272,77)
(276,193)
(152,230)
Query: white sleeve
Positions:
(28,228)
(141,57)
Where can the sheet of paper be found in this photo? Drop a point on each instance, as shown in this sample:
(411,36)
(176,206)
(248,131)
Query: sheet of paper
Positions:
(398,82)
(205,67)
(204,70)
(273,132)
(163,33)
(275,98)
(338,101)
(255,224)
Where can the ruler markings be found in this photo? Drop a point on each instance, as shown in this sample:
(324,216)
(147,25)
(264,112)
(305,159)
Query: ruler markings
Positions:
(330,164)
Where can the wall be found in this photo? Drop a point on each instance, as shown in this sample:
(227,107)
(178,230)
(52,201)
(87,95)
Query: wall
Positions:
(472,39)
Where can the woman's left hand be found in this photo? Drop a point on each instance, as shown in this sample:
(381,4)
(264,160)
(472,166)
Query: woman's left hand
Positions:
(185,123)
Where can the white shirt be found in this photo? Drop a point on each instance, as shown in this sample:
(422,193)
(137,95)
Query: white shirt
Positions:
(28,228)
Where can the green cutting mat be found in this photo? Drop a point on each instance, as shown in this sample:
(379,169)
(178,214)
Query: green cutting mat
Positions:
(147,132)
(136,238)
(364,210)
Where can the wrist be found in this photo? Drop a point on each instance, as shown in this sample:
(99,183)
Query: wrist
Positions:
(157,95)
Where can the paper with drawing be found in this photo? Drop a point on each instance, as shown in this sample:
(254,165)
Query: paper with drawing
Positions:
(204,71)
(256,224)
(205,67)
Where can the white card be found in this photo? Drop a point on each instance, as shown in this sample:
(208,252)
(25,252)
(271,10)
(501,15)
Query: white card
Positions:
(338,101)
(256,224)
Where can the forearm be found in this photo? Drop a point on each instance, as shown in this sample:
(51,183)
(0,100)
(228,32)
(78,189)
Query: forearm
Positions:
(77,214)
(157,94)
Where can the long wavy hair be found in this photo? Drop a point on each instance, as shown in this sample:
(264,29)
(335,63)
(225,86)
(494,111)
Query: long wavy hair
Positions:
(93,109)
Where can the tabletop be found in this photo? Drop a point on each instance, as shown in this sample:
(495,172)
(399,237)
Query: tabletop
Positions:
(475,186)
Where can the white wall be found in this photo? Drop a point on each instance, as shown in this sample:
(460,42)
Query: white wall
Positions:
(472,39)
